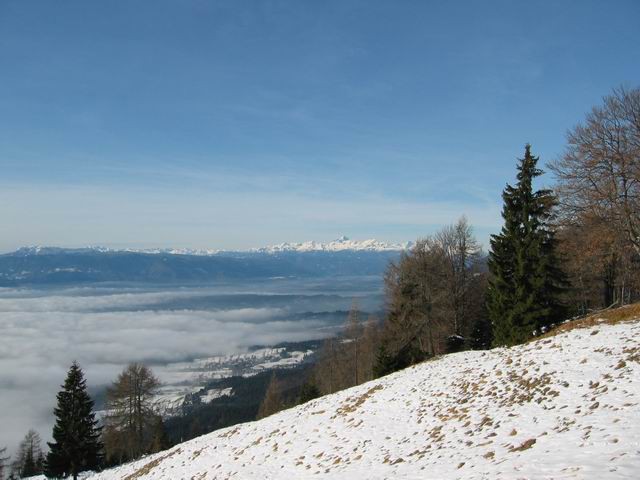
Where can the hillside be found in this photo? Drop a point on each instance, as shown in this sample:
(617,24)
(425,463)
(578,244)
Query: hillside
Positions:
(564,406)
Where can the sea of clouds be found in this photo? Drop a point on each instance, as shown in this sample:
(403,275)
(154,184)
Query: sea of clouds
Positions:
(43,331)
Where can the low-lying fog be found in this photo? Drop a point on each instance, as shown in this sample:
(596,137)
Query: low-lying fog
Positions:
(106,327)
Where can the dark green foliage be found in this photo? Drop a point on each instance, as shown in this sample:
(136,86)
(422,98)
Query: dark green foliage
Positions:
(481,336)
(308,392)
(526,282)
(455,343)
(76,445)
(387,362)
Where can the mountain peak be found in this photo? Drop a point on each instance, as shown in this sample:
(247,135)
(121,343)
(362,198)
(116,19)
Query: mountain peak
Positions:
(342,243)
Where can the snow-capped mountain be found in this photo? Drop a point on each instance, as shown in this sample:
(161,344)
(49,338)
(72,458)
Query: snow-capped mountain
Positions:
(341,257)
(564,406)
(339,245)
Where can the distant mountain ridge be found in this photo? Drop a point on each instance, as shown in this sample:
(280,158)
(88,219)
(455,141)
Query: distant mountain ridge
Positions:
(340,244)
(56,265)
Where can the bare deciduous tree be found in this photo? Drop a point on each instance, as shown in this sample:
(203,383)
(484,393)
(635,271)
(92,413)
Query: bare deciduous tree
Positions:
(272,402)
(130,413)
(348,359)
(599,202)
(29,460)
(599,174)
(3,462)
(433,292)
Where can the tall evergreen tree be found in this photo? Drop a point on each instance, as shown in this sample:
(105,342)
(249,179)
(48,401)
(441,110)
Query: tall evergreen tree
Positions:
(523,294)
(76,446)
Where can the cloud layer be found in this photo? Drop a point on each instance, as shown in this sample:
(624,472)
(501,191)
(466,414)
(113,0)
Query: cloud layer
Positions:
(43,332)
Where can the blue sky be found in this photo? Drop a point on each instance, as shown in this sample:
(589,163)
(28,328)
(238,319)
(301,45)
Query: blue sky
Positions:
(230,124)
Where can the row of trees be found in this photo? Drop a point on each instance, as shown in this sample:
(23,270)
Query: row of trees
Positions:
(29,459)
(130,428)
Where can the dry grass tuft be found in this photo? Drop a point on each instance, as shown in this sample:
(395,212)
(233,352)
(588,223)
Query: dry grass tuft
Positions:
(527,444)
(628,313)
(150,466)
(353,403)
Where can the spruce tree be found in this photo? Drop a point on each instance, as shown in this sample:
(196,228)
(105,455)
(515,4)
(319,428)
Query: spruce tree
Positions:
(76,446)
(526,282)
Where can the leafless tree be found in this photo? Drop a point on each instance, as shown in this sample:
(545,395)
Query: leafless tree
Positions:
(272,402)
(130,412)
(599,202)
(29,460)
(599,174)
(434,292)
(3,462)
(462,253)
(416,298)
(348,359)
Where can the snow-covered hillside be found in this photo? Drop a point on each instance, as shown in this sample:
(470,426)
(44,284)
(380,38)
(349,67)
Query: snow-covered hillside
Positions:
(185,380)
(566,406)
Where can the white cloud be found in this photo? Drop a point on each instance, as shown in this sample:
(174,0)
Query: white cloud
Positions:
(42,335)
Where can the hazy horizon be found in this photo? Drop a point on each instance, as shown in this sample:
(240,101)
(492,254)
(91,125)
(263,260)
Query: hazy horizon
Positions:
(233,125)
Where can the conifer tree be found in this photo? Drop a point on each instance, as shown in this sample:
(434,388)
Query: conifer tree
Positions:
(76,445)
(523,294)
(308,392)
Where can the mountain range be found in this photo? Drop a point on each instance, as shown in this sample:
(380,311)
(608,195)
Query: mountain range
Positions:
(54,265)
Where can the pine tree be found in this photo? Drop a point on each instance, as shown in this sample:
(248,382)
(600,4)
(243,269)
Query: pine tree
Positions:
(76,446)
(523,294)
(308,392)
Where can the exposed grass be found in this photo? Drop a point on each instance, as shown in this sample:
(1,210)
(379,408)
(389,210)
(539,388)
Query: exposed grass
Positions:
(147,468)
(628,313)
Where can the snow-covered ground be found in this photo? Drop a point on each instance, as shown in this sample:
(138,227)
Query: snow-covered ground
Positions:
(184,379)
(566,406)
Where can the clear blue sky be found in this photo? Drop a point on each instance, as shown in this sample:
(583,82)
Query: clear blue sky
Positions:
(234,124)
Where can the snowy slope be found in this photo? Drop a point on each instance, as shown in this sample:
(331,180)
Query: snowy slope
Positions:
(566,406)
